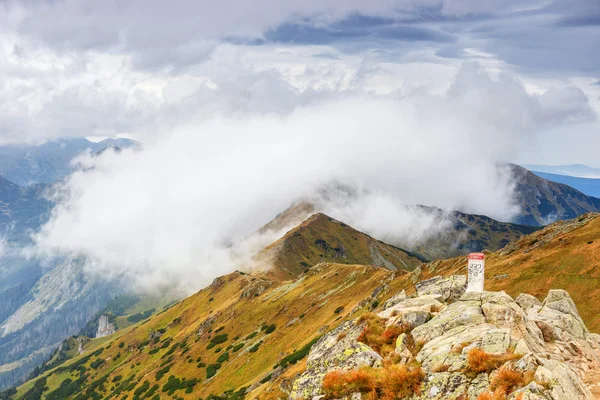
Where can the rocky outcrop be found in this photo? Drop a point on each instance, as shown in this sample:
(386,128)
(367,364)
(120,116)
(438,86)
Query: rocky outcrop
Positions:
(330,353)
(105,328)
(450,288)
(545,344)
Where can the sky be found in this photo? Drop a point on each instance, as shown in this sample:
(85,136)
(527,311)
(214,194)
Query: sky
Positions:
(80,68)
(244,107)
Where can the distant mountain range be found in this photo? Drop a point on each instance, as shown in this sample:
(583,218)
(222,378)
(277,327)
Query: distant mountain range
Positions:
(543,202)
(46,163)
(589,186)
(575,170)
(42,304)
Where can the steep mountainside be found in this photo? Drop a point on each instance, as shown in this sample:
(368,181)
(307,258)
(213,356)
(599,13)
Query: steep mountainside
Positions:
(543,202)
(575,170)
(248,334)
(323,239)
(22,210)
(588,186)
(465,233)
(48,162)
(41,302)
(565,255)
(468,233)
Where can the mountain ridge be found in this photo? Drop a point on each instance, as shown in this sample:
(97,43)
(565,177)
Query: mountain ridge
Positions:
(237,336)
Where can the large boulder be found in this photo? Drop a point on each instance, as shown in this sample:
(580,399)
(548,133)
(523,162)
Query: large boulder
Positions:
(549,338)
(444,385)
(451,288)
(337,350)
(527,301)
(450,349)
(461,313)
(559,320)
(397,298)
(562,382)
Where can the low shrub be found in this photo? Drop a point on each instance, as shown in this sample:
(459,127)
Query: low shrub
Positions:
(223,357)
(254,348)
(297,355)
(237,347)
(211,370)
(507,380)
(161,372)
(389,383)
(270,329)
(479,361)
(97,363)
(376,335)
(218,339)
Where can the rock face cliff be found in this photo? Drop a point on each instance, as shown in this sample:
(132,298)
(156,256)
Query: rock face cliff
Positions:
(449,344)
(105,328)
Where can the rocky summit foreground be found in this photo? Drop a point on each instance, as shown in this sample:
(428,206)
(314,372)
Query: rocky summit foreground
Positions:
(446,344)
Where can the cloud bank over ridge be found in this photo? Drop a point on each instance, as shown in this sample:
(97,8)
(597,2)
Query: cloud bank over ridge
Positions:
(168,213)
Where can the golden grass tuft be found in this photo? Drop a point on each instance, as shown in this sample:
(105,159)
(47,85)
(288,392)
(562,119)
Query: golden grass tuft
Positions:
(338,384)
(389,383)
(508,380)
(376,335)
(479,361)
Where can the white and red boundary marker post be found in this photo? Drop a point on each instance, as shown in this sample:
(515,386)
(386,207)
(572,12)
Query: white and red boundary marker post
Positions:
(476,272)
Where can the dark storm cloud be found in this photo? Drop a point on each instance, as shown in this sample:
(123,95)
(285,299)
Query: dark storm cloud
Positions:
(301,33)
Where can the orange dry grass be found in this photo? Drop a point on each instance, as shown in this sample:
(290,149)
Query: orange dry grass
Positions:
(342,383)
(399,381)
(479,361)
(389,383)
(508,380)
(376,335)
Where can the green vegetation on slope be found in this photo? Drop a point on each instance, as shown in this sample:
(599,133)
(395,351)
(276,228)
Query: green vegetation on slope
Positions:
(323,239)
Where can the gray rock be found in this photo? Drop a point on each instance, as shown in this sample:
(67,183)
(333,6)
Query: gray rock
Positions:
(562,381)
(330,354)
(105,328)
(496,341)
(479,385)
(533,391)
(397,298)
(527,301)
(441,351)
(451,288)
(455,315)
(412,319)
(443,385)
(427,303)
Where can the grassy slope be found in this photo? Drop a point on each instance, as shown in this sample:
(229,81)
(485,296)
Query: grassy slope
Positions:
(564,255)
(471,233)
(315,296)
(323,239)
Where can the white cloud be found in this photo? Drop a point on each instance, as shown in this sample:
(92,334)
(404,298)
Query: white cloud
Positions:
(168,213)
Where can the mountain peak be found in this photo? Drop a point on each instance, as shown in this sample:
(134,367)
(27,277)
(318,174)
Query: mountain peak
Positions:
(321,238)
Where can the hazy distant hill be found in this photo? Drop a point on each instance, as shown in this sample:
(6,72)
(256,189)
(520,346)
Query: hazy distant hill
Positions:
(576,170)
(48,162)
(464,233)
(588,186)
(543,202)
